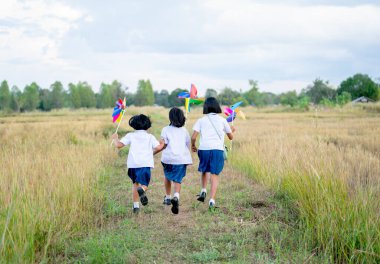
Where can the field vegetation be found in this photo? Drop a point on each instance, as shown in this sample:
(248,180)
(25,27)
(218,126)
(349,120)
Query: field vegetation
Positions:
(299,187)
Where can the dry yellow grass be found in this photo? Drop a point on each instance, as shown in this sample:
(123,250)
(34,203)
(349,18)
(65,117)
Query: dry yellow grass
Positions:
(328,163)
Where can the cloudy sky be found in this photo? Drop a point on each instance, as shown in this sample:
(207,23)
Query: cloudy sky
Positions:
(283,44)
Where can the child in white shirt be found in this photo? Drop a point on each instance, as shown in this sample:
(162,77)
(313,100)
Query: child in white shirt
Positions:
(212,129)
(176,156)
(140,157)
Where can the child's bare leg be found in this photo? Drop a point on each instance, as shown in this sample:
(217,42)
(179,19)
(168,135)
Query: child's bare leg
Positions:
(214,185)
(177,187)
(135,193)
(144,187)
(168,186)
(204,180)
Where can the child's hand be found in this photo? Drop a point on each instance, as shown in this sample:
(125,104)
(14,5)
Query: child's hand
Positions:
(233,129)
(115,136)
(194,148)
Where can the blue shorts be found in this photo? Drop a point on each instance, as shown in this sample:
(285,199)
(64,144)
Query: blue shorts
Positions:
(140,175)
(173,172)
(211,161)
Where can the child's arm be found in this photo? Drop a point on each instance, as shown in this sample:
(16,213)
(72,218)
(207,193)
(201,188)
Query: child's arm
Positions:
(193,141)
(160,147)
(116,141)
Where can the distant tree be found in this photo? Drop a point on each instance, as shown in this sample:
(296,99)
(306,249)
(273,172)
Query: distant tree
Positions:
(162,98)
(303,102)
(30,97)
(109,93)
(359,85)
(289,98)
(211,93)
(318,90)
(82,95)
(253,96)
(269,98)
(130,99)
(74,95)
(343,98)
(5,96)
(57,95)
(173,98)
(228,96)
(45,103)
(144,94)
(16,94)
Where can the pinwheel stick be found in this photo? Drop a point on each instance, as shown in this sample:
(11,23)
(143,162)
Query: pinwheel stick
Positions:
(232,123)
(118,125)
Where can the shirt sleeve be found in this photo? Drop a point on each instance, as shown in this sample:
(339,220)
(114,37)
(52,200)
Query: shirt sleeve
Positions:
(227,128)
(164,135)
(155,143)
(197,126)
(126,140)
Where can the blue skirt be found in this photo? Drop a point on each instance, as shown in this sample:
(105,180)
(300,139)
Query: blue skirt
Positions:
(140,175)
(173,172)
(211,161)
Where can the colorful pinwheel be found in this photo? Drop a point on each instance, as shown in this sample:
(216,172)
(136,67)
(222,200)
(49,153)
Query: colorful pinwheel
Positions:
(191,97)
(118,111)
(231,112)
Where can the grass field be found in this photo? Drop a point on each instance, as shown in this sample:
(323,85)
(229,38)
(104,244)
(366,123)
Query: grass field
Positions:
(299,187)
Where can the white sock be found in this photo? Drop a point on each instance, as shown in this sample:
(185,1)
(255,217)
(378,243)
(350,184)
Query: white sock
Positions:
(136,205)
(168,196)
(176,195)
(212,201)
(204,190)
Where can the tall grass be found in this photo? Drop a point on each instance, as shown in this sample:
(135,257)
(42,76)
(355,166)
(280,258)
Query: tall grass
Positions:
(328,165)
(48,182)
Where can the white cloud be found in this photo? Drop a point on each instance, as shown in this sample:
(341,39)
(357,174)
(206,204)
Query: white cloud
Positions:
(213,43)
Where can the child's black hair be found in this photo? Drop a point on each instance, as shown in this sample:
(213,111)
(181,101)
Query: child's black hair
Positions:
(176,117)
(140,122)
(211,105)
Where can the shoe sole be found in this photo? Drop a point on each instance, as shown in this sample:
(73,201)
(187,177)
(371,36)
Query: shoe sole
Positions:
(175,207)
(143,197)
(201,198)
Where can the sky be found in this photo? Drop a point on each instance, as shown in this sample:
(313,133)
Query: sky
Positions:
(284,45)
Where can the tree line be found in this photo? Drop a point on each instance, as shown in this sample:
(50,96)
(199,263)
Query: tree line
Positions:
(81,95)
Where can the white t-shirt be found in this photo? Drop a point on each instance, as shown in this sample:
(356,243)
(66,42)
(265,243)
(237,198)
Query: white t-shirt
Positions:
(177,150)
(209,138)
(141,150)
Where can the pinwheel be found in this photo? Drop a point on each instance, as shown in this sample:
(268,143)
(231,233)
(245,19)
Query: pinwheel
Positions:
(118,113)
(233,111)
(190,98)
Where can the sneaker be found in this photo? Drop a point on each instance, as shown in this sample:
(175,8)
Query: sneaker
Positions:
(143,197)
(175,207)
(212,207)
(166,201)
(136,210)
(201,197)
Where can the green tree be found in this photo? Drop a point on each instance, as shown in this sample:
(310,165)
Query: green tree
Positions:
(359,85)
(228,96)
(144,94)
(269,98)
(74,95)
(162,98)
(57,95)
(211,93)
(318,90)
(5,96)
(45,104)
(289,98)
(173,98)
(30,97)
(87,95)
(16,95)
(109,93)
(343,98)
(253,96)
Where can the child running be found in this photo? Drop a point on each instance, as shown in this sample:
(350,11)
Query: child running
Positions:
(176,156)
(211,146)
(140,157)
